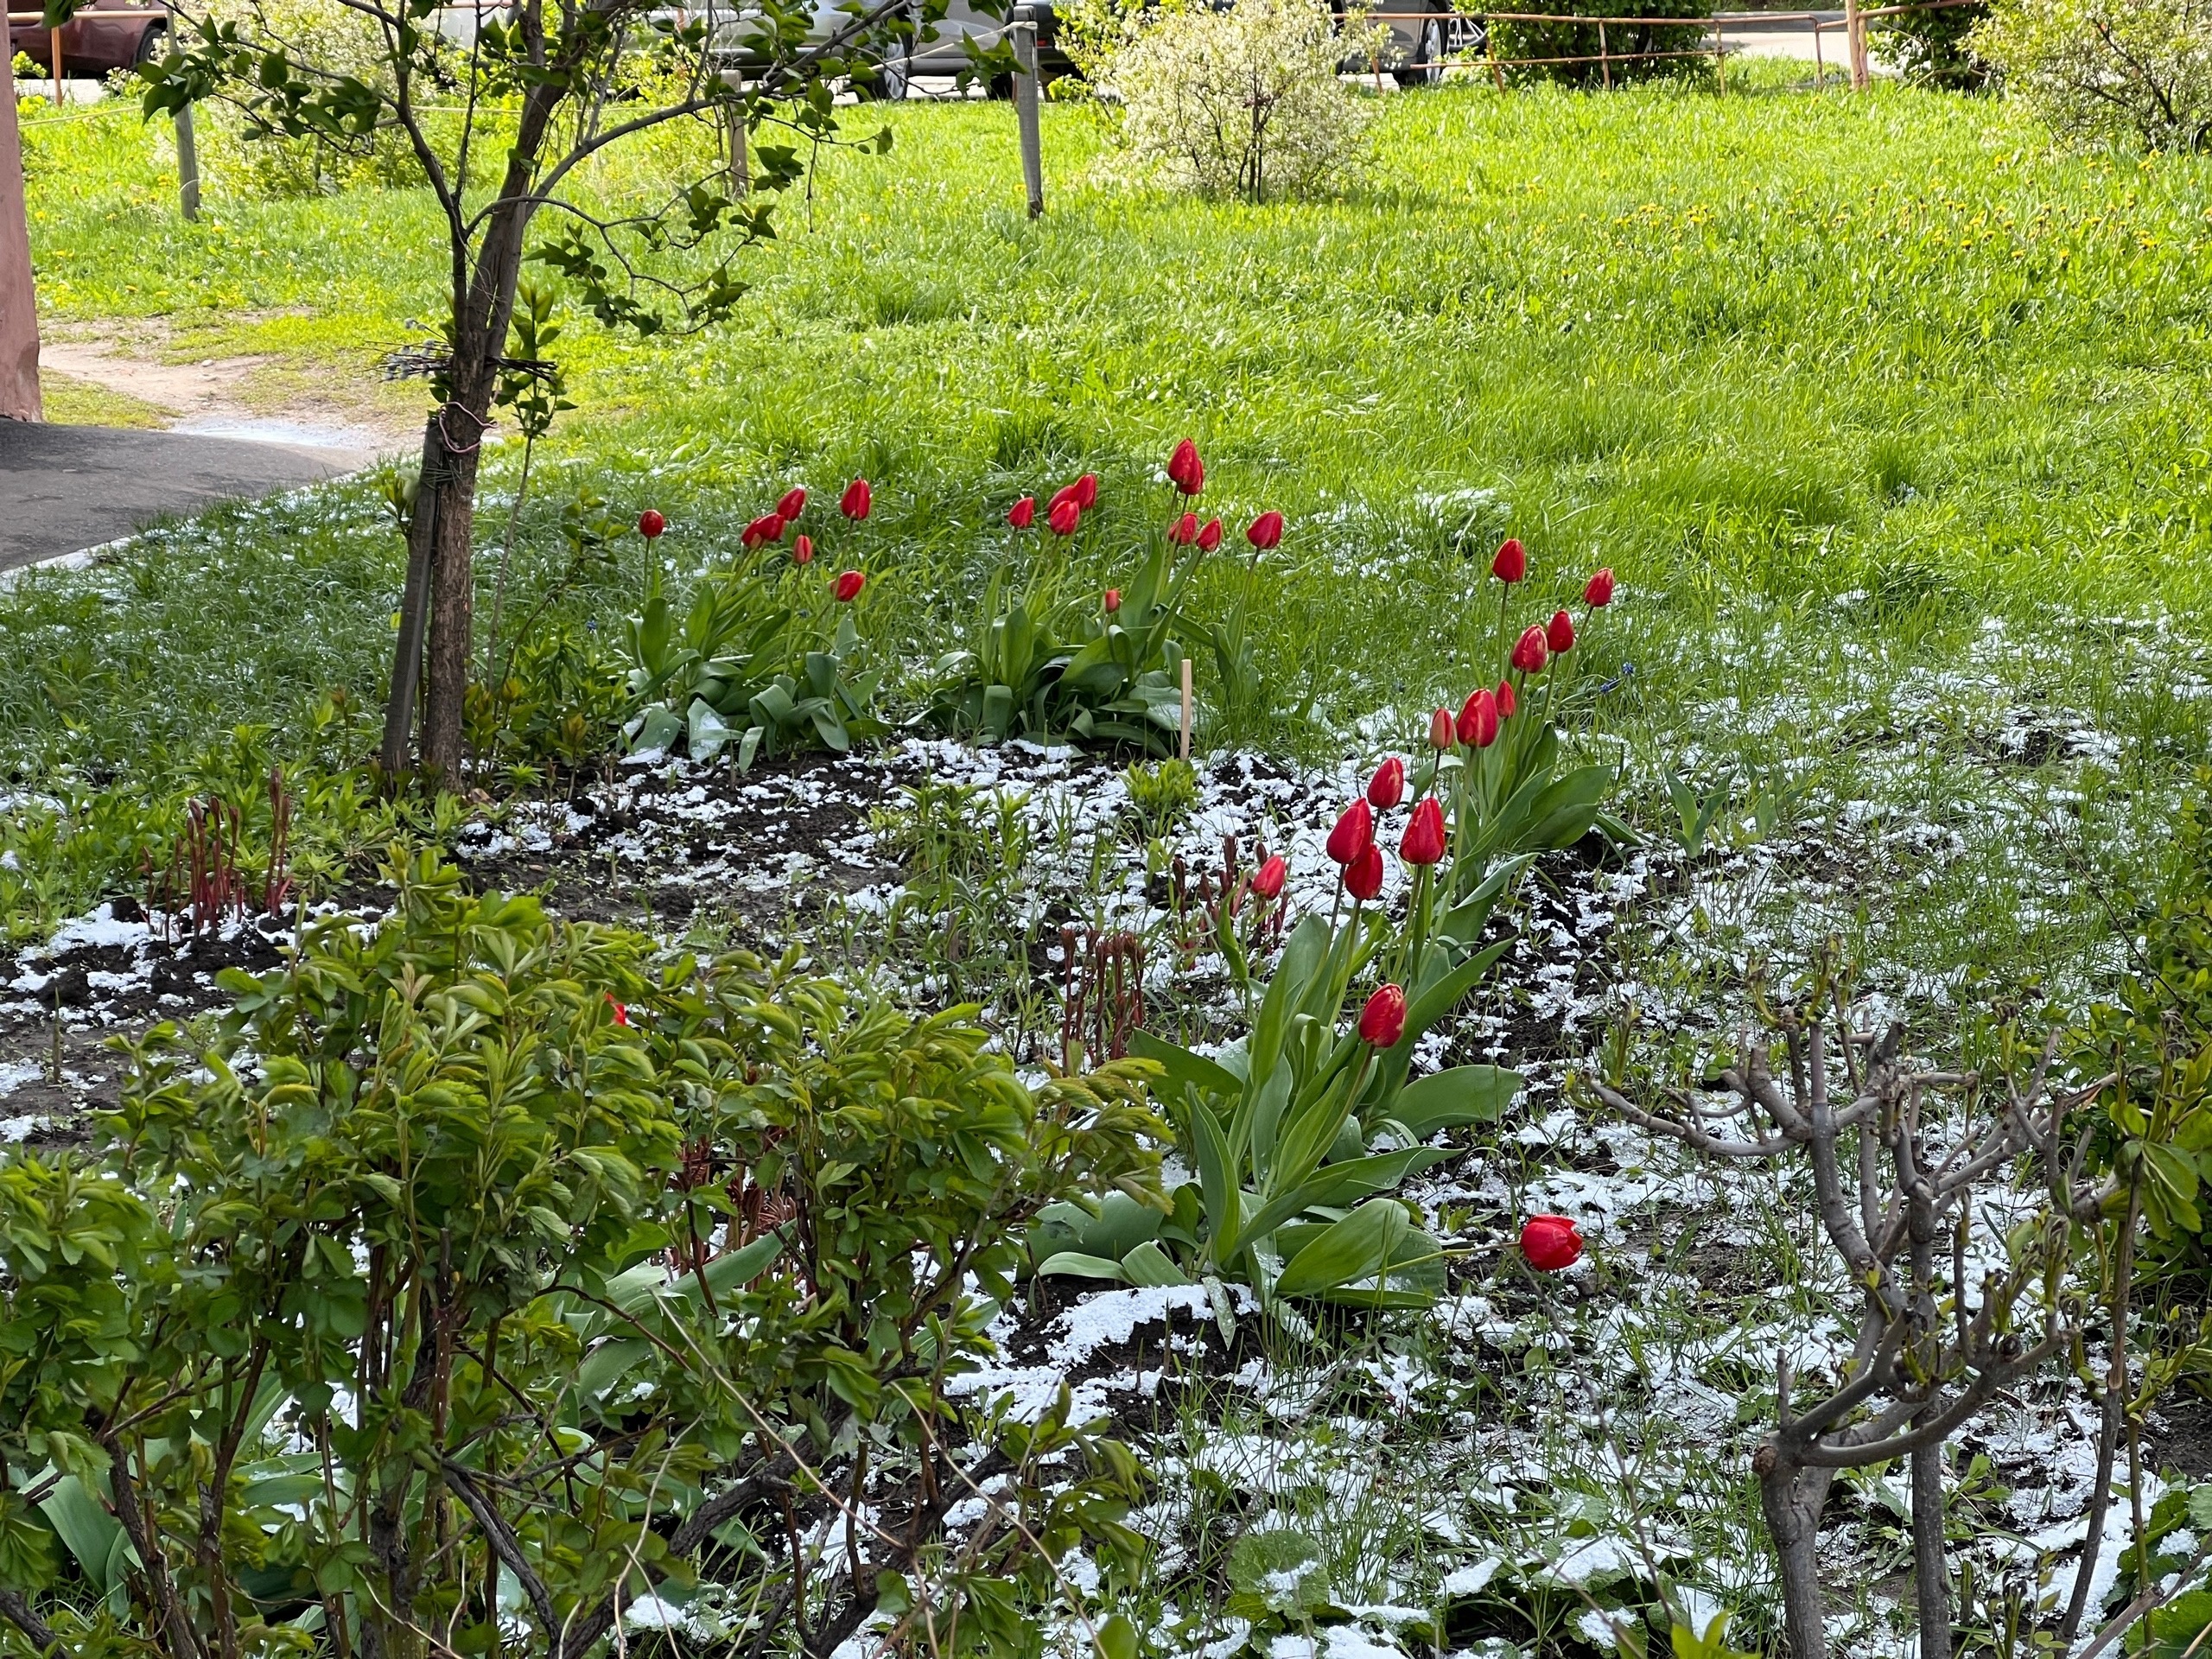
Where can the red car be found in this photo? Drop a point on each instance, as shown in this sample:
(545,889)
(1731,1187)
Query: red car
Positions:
(103,36)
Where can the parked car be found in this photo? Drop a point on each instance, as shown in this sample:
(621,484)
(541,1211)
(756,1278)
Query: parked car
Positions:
(103,37)
(1423,34)
(906,59)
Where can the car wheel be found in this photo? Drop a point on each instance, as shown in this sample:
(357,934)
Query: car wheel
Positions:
(152,46)
(1427,66)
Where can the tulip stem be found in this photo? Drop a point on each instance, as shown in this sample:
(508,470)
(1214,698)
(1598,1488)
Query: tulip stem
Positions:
(1417,929)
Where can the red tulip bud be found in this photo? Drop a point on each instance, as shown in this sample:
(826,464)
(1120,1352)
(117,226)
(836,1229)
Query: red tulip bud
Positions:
(1441,732)
(651,523)
(1113,601)
(1559,636)
(1185,470)
(1065,492)
(1064,517)
(856,499)
(1387,787)
(1267,883)
(1511,562)
(1266,533)
(1363,875)
(1023,513)
(849,586)
(1424,838)
(1382,1022)
(1550,1242)
(792,505)
(1530,653)
(768,527)
(1210,538)
(1086,491)
(803,550)
(1478,720)
(1354,834)
(1599,592)
(1506,701)
(1184,530)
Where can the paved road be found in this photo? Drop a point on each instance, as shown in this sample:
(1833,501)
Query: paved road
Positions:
(66,488)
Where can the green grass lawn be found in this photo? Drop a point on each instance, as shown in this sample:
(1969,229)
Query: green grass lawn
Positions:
(1888,415)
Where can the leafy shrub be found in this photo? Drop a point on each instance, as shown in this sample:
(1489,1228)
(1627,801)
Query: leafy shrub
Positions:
(477,1249)
(1242,101)
(1580,40)
(1932,48)
(2135,72)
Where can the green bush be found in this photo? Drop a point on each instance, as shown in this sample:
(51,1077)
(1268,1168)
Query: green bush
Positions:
(2132,72)
(1620,42)
(1931,48)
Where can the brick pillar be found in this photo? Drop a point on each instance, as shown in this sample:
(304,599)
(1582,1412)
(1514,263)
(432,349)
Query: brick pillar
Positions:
(19,398)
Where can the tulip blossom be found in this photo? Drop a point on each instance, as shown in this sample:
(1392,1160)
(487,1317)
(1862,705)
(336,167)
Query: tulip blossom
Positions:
(1354,834)
(1550,1242)
(1599,592)
(1506,701)
(1023,513)
(1185,470)
(1210,538)
(1184,530)
(848,586)
(1064,517)
(768,527)
(1511,562)
(1424,838)
(1387,787)
(1064,493)
(857,499)
(1559,635)
(1440,730)
(651,523)
(1267,883)
(792,505)
(1530,651)
(803,550)
(1478,720)
(1086,491)
(1363,875)
(1113,601)
(1382,1022)
(1266,532)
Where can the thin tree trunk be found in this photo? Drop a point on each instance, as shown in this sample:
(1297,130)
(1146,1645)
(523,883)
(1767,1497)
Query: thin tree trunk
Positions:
(1792,1497)
(2115,1401)
(1931,1570)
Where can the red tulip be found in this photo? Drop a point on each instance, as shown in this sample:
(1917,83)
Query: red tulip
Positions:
(1559,636)
(651,523)
(1184,530)
(792,505)
(1086,491)
(1363,875)
(1382,1022)
(1354,834)
(1113,601)
(1530,653)
(1599,592)
(1064,517)
(803,550)
(849,586)
(1387,787)
(1424,838)
(1441,732)
(1511,562)
(1185,470)
(1023,513)
(856,499)
(1267,882)
(1064,493)
(768,527)
(1550,1242)
(1210,538)
(1506,701)
(1266,533)
(1478,720)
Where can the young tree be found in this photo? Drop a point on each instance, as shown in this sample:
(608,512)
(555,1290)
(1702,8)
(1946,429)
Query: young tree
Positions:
(502,125)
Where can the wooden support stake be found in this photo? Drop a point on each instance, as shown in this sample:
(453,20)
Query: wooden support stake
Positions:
(1854,41)
(19,396)
(1604,63)
(1024,111)
(187,166)
(1186,708)
(54,46)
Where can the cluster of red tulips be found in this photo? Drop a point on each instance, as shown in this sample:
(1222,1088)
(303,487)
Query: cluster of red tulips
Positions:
(854,504)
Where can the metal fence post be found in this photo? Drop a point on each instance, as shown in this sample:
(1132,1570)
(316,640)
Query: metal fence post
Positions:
(1025,109)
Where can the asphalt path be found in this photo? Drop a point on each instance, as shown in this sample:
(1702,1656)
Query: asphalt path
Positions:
(64,489)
